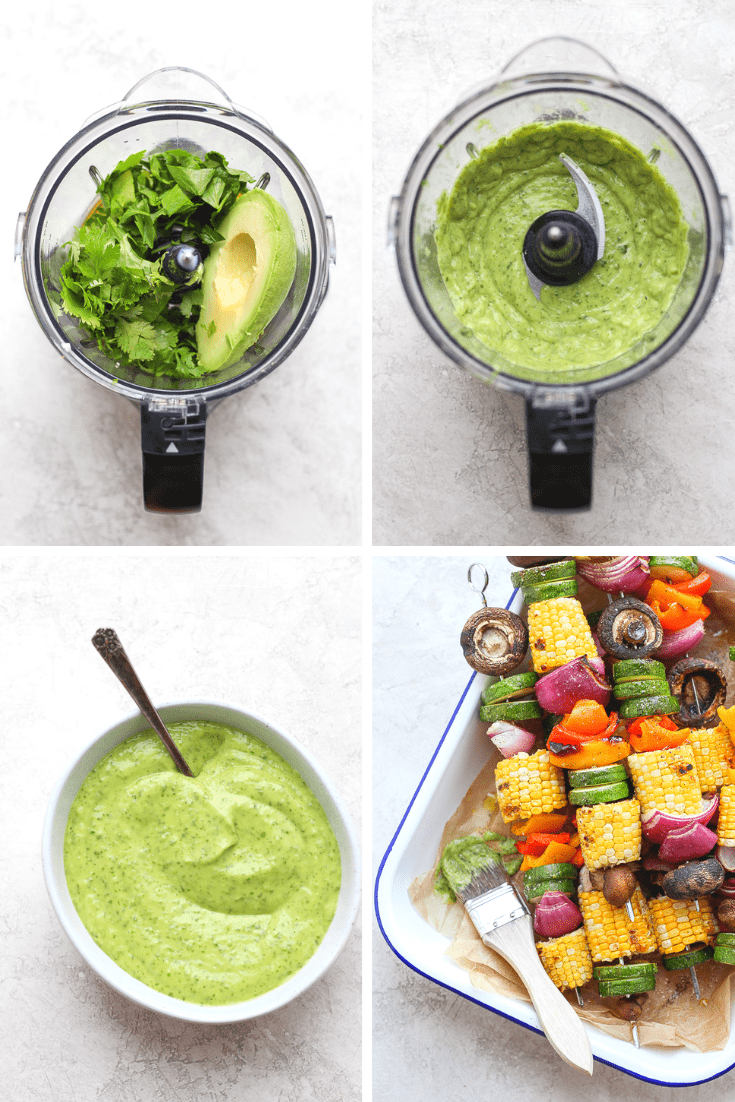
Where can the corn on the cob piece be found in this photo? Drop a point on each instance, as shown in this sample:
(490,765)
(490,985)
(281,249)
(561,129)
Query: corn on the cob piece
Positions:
(726,821)
(610,933)
(558,632)
(528,784)
(714,753)
(567,959)
(678,923)
(666,780)
(610,834)
(727,719)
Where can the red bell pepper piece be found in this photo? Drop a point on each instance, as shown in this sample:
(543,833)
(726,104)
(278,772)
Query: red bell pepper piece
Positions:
(536,844)
(698,586)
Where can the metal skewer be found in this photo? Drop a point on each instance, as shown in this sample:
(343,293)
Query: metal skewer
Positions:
(634,1025)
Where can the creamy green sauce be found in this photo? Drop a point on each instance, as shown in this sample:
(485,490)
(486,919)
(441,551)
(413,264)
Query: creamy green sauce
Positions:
(482,224)
(212,889)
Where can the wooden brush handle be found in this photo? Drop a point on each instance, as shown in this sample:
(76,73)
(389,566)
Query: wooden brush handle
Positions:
(560,1023)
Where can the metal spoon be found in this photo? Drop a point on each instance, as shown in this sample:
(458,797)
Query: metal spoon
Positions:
(109,646)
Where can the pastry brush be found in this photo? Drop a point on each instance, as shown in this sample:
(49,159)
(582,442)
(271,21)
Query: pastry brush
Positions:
(502,919)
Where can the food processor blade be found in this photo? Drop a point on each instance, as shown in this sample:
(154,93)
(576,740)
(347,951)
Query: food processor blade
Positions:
(589,210)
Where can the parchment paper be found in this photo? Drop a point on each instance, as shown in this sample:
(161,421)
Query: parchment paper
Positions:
(672,1016)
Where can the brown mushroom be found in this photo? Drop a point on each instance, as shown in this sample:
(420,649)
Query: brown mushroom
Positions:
(700,687)
(693,878)
(726,914)
(629,1009)
(494,640)
(618,885)
(628,628)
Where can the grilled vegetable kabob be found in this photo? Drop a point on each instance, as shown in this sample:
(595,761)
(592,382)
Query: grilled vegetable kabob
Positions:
(586,742)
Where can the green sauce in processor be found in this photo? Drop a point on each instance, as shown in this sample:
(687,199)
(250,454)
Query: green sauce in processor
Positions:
(482,224)
(212,889)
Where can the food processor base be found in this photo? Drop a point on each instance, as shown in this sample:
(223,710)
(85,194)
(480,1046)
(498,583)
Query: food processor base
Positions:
(560,445)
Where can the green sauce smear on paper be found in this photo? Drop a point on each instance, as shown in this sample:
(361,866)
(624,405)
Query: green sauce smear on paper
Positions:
(212,889)
(482,224)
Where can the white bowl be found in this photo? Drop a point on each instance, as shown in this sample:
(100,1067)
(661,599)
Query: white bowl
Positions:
(459,756)
(296,756)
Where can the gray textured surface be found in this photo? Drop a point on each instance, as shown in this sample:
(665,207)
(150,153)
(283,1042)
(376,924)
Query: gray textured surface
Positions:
(450,463)
(429,1042)
(280,636)
(283,457)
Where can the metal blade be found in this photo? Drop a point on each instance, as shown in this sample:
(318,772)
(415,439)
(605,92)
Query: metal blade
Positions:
(533,281)
(589,205)
(589,208)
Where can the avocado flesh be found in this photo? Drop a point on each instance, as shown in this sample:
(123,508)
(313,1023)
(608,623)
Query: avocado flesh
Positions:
(246,278)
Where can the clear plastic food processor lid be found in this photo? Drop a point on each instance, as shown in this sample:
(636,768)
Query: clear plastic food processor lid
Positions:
(511,115)
(171,117)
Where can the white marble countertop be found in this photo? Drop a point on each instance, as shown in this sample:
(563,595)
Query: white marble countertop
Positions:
(450,465)
(429,1042)
(283,457)
(278,635)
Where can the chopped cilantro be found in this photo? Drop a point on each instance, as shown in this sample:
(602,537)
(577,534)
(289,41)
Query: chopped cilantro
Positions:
(112,279)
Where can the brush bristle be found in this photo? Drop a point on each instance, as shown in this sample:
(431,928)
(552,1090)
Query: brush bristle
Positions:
(484,880)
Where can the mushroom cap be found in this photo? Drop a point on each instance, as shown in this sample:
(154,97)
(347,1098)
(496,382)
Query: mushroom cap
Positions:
(700,687)
(494,640)
(693,878)
(628,628)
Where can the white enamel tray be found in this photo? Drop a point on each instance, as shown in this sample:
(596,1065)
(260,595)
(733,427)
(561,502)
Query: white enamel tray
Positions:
(460,754)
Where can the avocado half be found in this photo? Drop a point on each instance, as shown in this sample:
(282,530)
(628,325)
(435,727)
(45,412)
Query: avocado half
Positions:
(246,278)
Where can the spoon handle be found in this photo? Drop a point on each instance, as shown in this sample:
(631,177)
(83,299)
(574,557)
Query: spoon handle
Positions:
(109,646)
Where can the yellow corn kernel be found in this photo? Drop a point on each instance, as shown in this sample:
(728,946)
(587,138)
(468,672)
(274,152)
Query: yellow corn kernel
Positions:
(714,754)
(666,780)
(567,959)
(528,784)
(558,632)
(726,821)
(610,834)
(610,933)
(678,924)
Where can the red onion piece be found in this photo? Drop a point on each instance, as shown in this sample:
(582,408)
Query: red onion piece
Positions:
(687,843)
(621,574)
(580,679)
(657,824)
(509,739)
(556,914)
(676,643)
(727,888)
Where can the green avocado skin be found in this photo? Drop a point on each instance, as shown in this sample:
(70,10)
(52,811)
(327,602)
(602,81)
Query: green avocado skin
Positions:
(264,220)
(481,226)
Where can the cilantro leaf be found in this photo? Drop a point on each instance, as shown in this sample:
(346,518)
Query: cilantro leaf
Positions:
(112,280)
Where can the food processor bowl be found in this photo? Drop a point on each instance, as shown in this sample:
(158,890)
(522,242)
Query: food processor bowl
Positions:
(572,81)
(173,410)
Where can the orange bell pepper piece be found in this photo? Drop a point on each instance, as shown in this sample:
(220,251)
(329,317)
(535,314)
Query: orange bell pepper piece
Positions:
(587,717)
(654,736)
(578,858)
(667,595)
(636,725)
(674,617)
(557,853)
(592,753)
(548,822)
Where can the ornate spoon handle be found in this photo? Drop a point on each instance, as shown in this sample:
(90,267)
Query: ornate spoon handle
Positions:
(109,646)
